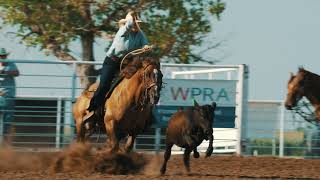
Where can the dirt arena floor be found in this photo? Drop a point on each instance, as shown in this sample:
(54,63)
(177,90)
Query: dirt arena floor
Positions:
(84,162)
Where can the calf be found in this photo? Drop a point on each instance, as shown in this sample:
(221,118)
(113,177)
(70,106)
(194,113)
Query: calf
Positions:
(187,129)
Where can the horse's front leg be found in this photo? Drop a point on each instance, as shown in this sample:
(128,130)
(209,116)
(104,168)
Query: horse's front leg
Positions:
(111,131)
(129,144)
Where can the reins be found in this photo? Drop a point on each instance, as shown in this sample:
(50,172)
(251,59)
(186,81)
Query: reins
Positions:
(308,116)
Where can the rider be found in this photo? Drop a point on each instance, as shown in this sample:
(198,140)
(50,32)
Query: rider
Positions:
(128,38)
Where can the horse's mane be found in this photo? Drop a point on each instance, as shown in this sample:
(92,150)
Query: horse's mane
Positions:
(138,62)
(309,73)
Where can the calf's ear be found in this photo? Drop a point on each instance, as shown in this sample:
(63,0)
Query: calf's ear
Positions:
(214,105)
(195,103)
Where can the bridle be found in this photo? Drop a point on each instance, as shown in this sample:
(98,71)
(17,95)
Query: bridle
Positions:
(144,98)
(147,86)
(304,111)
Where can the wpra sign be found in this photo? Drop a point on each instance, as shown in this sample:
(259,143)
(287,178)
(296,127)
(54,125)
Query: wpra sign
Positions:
(180,92)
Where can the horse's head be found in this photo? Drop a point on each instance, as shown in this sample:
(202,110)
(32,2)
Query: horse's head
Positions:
(206,117)
(151,79)
(296,88)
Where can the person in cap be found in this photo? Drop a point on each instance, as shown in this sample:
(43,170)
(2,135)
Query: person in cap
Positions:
(8,72)
(128,38)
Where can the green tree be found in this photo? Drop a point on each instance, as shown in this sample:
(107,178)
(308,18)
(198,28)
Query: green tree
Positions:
(173,26)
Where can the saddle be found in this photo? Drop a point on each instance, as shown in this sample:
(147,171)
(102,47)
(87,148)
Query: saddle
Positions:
(131,67)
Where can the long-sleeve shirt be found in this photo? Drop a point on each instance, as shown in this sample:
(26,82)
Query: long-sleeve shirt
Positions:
(7,82)
(126,41)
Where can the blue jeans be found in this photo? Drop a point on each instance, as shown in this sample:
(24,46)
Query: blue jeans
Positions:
(8,114)
(108,71)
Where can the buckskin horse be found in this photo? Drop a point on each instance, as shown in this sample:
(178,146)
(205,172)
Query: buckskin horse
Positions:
(129,106)
(304,84)
(187,129)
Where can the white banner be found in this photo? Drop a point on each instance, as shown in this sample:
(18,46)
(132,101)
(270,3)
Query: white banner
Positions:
(182,92)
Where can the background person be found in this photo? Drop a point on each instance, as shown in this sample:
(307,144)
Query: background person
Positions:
(8,72)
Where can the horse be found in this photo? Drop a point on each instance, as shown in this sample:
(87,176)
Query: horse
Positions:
(304,84)
(187,129)
(129,106)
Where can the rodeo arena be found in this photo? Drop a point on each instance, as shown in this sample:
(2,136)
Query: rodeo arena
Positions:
(253,139)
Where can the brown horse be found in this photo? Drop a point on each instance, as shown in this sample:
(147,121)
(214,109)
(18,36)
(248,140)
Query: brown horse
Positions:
(187,129)
(304,84)
(129,107)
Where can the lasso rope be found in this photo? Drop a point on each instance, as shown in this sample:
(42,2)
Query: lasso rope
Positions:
(134,53)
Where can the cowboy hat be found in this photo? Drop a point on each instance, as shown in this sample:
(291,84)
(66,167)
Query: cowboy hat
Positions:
(3,52)
(123,21)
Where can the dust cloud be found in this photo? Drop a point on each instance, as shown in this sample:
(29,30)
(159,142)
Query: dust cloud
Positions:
(80,158)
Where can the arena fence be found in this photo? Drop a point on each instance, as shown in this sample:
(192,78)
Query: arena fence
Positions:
(273,130)
(42,118)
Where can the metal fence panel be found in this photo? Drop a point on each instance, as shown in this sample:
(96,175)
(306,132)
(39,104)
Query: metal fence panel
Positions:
(42,117)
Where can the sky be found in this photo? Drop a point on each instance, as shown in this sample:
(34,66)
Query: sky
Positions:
(273,37)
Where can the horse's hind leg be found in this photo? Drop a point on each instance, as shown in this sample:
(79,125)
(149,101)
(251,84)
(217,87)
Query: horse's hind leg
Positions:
(186,158)
(129,144)
(167,155)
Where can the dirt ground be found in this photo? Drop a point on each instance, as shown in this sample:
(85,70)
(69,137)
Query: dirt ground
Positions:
(84,163)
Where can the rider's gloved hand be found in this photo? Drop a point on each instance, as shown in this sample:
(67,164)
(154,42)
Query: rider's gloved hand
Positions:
(147,48)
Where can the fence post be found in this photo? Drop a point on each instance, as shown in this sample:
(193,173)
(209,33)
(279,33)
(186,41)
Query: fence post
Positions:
(158,139)
(281,126)
(74,82)
(242,107)
(68,130)
(274,146)
(58,123)
(157,142)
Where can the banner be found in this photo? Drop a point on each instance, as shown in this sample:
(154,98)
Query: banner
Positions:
(182,92)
